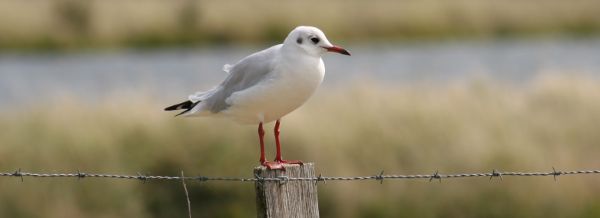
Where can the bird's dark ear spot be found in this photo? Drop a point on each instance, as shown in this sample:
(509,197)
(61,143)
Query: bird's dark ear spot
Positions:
(299,40)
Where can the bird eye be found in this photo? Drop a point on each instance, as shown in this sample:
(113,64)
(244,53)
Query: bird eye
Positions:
(299,40)
(314,40)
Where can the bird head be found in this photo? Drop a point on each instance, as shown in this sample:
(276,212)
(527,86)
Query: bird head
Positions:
(312,40)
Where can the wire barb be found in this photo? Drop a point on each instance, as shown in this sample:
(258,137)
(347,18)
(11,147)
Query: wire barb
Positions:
(380,177)
(556,173)
(320,178)
(495,173)
(436,175)
(200,178)
(142,178)
(80,175)
(18,173)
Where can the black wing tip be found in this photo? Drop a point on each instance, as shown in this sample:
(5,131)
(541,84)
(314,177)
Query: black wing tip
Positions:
(183,112)
(187,105)
(182,105)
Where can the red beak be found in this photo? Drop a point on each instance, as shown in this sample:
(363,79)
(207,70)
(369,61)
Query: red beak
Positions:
(337,49)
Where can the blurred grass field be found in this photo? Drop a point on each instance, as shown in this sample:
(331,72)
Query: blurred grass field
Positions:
(358,129)
(65,24)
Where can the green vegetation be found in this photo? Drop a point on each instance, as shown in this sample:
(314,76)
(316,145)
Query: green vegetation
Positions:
(64,24)
(468,127)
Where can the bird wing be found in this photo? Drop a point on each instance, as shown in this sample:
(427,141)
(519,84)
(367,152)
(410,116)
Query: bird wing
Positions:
(243,75)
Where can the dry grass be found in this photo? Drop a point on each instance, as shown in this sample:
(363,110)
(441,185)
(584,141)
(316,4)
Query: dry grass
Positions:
(473,126)
(75,23)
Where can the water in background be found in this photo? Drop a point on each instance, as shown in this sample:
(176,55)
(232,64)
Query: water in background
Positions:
(171,74)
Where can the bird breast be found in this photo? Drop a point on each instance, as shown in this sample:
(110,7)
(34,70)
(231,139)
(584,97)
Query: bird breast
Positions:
(295,84)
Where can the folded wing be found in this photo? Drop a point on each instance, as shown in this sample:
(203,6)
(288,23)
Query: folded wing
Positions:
(244,74)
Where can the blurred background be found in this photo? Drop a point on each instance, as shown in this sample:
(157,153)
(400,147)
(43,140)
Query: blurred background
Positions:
(448,85)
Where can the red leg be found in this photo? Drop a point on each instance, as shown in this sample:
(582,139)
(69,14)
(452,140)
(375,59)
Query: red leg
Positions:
(278,146)
(261,137)
(263,160)
(277,143)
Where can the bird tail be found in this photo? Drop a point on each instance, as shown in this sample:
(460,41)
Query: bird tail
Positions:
(187,105)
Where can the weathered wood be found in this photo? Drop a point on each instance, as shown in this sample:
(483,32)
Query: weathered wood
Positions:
(287,199)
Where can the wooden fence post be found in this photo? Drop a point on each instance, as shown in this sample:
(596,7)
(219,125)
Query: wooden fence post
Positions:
(287,199)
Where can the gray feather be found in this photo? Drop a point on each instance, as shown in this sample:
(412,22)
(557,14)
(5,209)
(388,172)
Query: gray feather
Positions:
(243,75)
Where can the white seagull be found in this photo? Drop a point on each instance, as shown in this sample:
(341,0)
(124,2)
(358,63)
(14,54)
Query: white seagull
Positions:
(267,85)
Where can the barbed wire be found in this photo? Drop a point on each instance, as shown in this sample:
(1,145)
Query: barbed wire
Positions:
(379,177)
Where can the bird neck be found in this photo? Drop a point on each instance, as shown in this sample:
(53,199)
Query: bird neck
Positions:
(294,52)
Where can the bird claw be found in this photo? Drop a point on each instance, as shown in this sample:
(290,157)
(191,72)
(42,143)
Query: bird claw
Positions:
(273,165)
(278,164)
(299,162)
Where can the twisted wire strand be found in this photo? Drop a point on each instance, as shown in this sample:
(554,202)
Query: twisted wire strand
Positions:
(379,177)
